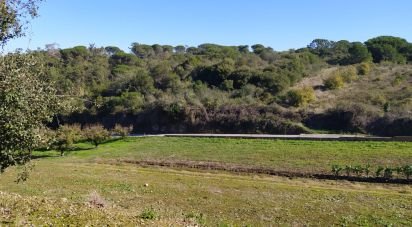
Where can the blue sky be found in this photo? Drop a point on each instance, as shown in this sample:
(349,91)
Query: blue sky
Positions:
(281,24)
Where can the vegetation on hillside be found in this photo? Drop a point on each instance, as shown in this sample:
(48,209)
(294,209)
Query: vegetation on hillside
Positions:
(214,88)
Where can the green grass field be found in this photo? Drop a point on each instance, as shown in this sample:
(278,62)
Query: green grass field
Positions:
(287,155)
(59,188)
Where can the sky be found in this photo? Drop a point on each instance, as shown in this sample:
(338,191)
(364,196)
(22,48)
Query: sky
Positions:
(280,24)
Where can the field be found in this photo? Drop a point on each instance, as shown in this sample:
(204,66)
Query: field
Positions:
(96,186)
(282,155)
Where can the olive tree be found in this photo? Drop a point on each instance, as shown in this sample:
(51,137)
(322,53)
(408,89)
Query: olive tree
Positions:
(27,101)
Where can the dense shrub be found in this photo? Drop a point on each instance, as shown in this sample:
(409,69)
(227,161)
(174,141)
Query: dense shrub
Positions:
(334,82)
(341,76)
(344,117)
(300,97)
(364,68)
(348,74)
(390,126)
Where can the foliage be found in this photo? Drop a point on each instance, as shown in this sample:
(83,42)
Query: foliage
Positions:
(348,74)
(27,100)
(336,170)
(385,172)
(301,97)
(148,214)
(96,134)
(388,48)
(341,76)
(334,82)
(14,18)
(121,131)
(66,136)
(109,86)
(407,171)
(364,68)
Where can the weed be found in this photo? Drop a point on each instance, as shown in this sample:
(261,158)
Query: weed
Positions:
(148,214)
(378,171)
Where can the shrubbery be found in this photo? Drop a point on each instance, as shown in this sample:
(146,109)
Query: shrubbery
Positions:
(348,74)
(364,68)
(300,97)
(155,85)
(340,77)
(334,82)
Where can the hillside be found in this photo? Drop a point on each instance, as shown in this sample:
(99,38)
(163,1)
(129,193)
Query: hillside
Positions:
(339,86)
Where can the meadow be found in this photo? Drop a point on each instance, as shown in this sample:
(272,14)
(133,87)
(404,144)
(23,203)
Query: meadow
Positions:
(91,186)
(282,155)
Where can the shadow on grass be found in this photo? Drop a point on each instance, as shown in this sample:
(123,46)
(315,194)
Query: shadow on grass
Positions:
(40,154)
(47,155)
(112,140)
(56,154)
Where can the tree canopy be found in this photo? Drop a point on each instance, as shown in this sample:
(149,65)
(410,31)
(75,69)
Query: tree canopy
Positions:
(27,100)
(14,16)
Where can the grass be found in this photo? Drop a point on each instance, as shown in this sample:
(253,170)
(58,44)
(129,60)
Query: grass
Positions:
(283,155)
(212,199)
(60,189)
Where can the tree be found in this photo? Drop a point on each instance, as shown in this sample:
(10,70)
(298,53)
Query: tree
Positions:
(65,137)
(27,100)
(244,49)
(258,48)
(339,52)
(121,131)
(96,134)
(321,47)
(358,53)
(180,49)
(14,16)
(387,48)
(112,50)
(142,50)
